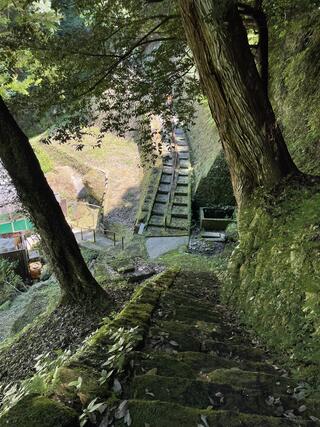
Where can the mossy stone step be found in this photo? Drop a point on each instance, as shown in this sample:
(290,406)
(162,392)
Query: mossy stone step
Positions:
(183,179)
(273,384)
(182,142)
(233,351)
(181,200)
(184,156)
(182,149)
(181,190)
(164,414)
(158,209)
(156,220)
(208,362)
(168,163)
(180,211)
(192,365)
(192,337)
(178,331)
(197,292)
(199,394)
(189,338)
(184,172)
(162,198)
(182,297)
(164,188)
(39,411)
(184,164)
(166,179)
(167,170)
(179,223)
(185,313)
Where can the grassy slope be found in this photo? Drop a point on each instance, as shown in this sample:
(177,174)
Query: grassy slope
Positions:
(117,157)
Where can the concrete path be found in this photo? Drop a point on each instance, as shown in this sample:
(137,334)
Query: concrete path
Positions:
(157,246)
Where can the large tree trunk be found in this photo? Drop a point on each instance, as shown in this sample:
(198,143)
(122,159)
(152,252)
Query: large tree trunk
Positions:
(17,155)
(255,150)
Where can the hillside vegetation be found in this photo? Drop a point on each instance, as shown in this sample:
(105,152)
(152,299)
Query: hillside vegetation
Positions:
(295,90)
(116,163)
(274,272)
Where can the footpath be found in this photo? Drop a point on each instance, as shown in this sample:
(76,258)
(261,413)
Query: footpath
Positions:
(197,368)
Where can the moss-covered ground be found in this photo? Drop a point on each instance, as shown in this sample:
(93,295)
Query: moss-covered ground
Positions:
(173,356)
(275,273)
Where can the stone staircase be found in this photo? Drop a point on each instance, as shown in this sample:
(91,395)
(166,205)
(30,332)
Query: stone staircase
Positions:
(198,368)
(171,210)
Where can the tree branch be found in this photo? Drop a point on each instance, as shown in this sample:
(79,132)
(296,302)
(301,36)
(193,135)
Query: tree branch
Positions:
(123,57)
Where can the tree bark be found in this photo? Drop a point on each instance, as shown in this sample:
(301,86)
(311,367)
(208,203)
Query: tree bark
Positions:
(17,155)
(254,146)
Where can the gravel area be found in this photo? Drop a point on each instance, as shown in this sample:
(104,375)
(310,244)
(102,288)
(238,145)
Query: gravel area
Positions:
(201,246)
(8,195)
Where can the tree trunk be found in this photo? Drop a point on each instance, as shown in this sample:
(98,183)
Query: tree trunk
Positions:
(255,150)
(260,19)
(17,155)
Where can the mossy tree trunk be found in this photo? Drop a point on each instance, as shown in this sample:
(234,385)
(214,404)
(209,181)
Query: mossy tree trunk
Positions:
(254,146)
(17,155)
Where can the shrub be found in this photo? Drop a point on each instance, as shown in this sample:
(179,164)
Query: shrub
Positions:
(10,281)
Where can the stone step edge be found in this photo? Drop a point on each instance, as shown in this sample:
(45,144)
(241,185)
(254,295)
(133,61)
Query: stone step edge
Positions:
(193,415)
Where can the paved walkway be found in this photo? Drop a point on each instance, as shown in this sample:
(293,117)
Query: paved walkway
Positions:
(157,246)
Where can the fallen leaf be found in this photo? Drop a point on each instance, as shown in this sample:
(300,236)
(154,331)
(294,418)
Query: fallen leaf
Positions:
(153,371)
(117,388)
(204,420)
(122,409)
(127,418)
(270,400)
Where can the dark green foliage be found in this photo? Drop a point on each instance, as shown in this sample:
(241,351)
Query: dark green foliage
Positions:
(215,188)
(10,281)
(282,11)
(119,53)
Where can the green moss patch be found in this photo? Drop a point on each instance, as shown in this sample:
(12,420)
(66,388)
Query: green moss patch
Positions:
(39,411)
(252,380)
(199,394)
(89,385)
(174,415)
(275,272)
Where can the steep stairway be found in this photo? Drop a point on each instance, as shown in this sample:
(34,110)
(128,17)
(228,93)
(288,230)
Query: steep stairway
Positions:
(170,212)
(198,368)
